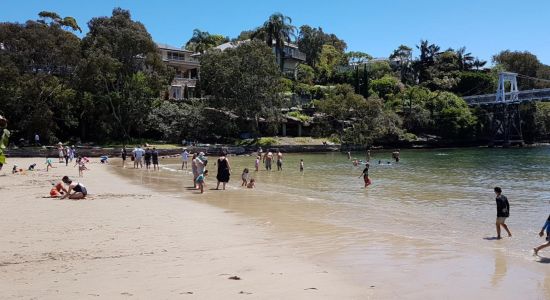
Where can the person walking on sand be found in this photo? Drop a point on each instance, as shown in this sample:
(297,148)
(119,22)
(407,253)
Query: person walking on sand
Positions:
(61,152)
(123,155)
(224,171)
(365,175)
(71,153)
(546,228)
(279,161)
(67,154)
(503,211)
(75,191)
(184,158)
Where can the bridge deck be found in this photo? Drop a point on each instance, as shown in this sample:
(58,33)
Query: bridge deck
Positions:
(523,96)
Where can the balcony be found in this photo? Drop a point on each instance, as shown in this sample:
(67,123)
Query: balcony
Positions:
(181,60)
(295,54)
(184,81)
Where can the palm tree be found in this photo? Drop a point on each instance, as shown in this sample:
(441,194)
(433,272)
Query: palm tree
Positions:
(277,31)
(465,60)
(478,63)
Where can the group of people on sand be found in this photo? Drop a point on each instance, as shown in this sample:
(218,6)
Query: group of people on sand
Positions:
(66,153)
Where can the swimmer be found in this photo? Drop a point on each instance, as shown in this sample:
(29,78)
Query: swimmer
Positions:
(251,184)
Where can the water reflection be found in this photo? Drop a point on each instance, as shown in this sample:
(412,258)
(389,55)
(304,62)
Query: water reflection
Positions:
(501,267)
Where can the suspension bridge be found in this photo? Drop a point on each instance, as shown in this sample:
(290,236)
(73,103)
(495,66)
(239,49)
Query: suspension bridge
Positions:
(503,107)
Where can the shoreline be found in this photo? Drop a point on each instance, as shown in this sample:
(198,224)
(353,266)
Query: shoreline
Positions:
(130,240)
(52,152)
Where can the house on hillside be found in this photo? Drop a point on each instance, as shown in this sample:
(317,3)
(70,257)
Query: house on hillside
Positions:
(292,56)
(187,67)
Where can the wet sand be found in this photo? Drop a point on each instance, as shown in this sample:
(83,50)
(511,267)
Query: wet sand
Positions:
(130,241)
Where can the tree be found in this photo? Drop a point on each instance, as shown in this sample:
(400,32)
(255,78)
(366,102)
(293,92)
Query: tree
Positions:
(203,40)
(244,81)
(402,58)
(55,19)
(385,87)
(305,74)
(277,31)
(524,63)
(357,57)
(465,59)
(329,59)
(428,53)
(37,75)
(311,40)
(123,72)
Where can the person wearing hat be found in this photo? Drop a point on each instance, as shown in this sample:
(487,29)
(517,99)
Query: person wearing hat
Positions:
(75,191)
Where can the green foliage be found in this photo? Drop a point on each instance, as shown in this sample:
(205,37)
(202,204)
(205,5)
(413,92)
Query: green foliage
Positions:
(475,83)
(305,74)
(298,115)
(203,40)
(265,142)
(524,63)
(378,69)
(386,86)
(244,80)
(329,59)
(311,41)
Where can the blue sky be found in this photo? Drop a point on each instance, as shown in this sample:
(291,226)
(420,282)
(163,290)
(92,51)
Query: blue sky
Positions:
(377,27)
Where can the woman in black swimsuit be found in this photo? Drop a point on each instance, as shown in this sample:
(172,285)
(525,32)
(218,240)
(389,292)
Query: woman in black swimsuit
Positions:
(75,191)
(224,171)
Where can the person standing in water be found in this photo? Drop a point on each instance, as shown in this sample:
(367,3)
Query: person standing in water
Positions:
(301,165)
(268,159)
(279,161)
(224,171)
(503,211)
(349,155)
(546,228)
(184,158)
(368,155)
(155,158)
(365,175)
(395,155)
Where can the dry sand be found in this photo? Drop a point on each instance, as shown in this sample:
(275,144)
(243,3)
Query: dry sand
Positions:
(128,241)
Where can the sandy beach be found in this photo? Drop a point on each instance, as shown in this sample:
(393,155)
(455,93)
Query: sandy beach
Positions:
(128,241)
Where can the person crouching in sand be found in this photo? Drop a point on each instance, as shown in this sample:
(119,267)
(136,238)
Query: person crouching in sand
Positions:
(541,233)
(75,191)
(200,181)
(251,184)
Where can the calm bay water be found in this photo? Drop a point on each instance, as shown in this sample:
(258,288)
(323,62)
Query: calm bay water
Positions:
(431,206)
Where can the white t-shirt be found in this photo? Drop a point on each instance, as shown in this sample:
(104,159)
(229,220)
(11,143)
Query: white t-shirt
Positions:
(138,153)
(185,155)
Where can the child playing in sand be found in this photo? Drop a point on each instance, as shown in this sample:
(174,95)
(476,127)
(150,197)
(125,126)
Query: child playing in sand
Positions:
(257,164)
(200,181)
(244,177)
(541,233)
(251,184)
(58,190)
(49,164)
